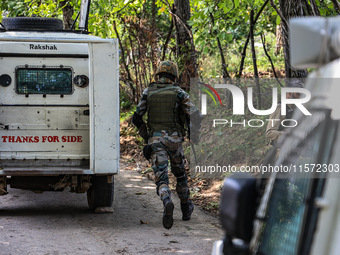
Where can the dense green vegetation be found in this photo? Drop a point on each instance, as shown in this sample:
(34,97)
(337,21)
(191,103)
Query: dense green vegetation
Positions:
(219,33)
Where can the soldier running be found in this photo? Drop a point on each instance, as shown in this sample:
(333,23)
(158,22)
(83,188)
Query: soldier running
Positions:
(169,111)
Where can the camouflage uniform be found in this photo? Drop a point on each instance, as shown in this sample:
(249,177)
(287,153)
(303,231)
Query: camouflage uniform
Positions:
(168,144)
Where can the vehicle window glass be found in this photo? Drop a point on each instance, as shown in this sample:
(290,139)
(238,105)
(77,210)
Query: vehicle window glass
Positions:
(47,80)
(286,208)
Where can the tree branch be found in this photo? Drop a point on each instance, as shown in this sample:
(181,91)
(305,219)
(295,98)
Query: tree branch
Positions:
(315,7)
(336,5)
(179,20)
(244,51)
(224,65)
(256,74)
(167,40)
(263,39)
(309,9)
(130,81)
(283,19)
(124,6)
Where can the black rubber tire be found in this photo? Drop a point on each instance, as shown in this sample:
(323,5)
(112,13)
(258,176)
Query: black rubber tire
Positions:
(100,194)
(32,24)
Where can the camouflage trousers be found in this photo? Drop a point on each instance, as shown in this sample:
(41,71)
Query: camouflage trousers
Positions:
(168,147)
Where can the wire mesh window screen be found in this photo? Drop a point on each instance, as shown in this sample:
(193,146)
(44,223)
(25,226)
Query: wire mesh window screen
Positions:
(48,80)
(286,209)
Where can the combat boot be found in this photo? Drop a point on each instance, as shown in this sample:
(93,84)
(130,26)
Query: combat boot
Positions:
(168,219)
(187,210)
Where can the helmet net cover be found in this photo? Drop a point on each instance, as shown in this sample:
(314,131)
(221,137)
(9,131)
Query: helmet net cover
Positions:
(167,68)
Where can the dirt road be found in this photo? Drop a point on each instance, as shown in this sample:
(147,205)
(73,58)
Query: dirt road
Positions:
(58,223)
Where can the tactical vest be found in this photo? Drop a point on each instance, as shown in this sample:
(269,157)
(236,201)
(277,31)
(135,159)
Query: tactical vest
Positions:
(162,111)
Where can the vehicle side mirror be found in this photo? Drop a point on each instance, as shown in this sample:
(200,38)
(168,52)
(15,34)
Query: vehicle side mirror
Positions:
(238,206)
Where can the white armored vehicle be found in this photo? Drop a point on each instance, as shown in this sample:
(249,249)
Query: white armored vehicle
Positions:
(59,109)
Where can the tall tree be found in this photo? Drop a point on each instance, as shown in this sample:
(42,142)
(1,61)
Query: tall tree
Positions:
(185,45)
(67,13)
(288,10)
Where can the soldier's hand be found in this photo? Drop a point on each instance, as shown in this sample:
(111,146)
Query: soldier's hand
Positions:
(137,120)
(143,132)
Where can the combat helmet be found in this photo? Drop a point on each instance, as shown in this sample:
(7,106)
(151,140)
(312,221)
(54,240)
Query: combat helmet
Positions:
(168,69)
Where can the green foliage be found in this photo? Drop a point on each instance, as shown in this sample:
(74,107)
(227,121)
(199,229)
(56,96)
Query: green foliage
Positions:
(230,22)
(142,47)
(210,64)
(126,114)
(125,102)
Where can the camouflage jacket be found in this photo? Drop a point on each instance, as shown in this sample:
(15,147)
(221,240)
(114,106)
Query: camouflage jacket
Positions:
(191,112)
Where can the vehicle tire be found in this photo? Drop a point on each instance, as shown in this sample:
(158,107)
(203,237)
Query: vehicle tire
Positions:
(32,23)
(100,194)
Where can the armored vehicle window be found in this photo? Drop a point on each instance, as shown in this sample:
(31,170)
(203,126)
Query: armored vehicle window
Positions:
(47,80)
(290,220)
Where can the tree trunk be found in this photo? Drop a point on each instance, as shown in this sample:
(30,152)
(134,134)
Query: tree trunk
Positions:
(336,5)
(67,14)
(290,9)
(223,62)
(279,39)
(165,47)
(253,51)
(129,80)
(153,36)
(244,51)
(186,53)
